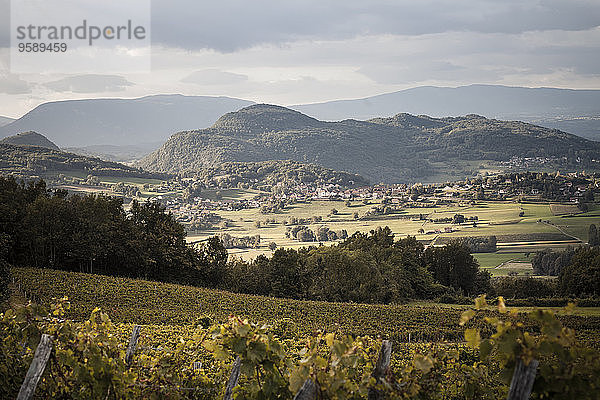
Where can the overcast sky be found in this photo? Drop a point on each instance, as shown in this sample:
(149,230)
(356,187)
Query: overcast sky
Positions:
(290,52)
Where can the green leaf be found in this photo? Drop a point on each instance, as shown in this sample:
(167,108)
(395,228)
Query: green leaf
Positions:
(485,348)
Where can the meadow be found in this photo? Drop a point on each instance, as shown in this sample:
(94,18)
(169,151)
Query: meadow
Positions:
(536,229)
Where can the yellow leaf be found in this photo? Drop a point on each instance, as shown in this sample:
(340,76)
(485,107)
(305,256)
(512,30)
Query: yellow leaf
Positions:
(423,363)
(570,308)
(329,339)
(472,337)
(480,302)
(466,316)
(501,305)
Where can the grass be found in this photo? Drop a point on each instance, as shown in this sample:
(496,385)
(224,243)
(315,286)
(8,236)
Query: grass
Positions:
(492,260)
(501,264)
(499,218)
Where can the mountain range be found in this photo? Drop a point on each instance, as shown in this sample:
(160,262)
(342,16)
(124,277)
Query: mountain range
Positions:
(402,148)
(80,123)
(5,121)
(573,111)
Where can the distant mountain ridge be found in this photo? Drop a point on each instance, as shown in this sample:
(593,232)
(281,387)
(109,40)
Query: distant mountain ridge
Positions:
(125,153)
(150,119)
(79,123)
(574,111)
(30,139)
(6,121)
(402,148)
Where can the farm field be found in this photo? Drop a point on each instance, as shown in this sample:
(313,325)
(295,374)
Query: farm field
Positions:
(492,260)
(535,230)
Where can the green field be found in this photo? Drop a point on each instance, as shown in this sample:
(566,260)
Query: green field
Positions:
(516,234)
(492,260)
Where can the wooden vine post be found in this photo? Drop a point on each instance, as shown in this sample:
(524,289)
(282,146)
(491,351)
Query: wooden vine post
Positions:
(308,391)
(522,380)
(233,378)
(135,335)
(381,369)
(36,368)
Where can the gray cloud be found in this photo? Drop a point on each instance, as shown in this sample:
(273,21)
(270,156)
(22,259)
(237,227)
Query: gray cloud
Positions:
(291,52)
(89,84)
(214,77)
(228,25)
(12,84)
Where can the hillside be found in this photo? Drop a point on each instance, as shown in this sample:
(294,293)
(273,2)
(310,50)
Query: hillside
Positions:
(573,111)
(5,121)
(33,161)
(147,302)
(403,148)
(30,139)
(79,123)
(267,174)
(125,153)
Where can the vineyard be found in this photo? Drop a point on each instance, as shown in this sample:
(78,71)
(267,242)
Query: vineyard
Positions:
(155,304)
(189,339)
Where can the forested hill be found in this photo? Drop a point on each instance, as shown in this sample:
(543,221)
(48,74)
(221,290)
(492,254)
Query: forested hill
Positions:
(397,149)
(30,160)
(30,138)
(266,175)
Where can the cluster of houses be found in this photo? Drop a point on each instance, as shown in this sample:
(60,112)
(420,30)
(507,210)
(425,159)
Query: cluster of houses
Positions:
(192,208)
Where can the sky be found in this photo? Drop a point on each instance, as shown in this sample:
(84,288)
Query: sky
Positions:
(292,52)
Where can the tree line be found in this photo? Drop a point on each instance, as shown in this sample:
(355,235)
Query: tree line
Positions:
(93,233)
(366,267)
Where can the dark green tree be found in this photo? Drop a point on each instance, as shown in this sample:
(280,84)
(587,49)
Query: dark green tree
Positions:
(453,265)
(287,274)
(4,267)
(593,239)
(582,277)
(214,261)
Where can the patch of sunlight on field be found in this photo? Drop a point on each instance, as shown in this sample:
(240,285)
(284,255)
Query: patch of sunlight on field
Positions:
(523,227)
(492,260)
(495,218)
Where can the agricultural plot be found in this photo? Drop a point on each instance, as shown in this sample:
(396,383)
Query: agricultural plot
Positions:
(492,260)
(519,227)
(505,263)
(564,209)
(132,301)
